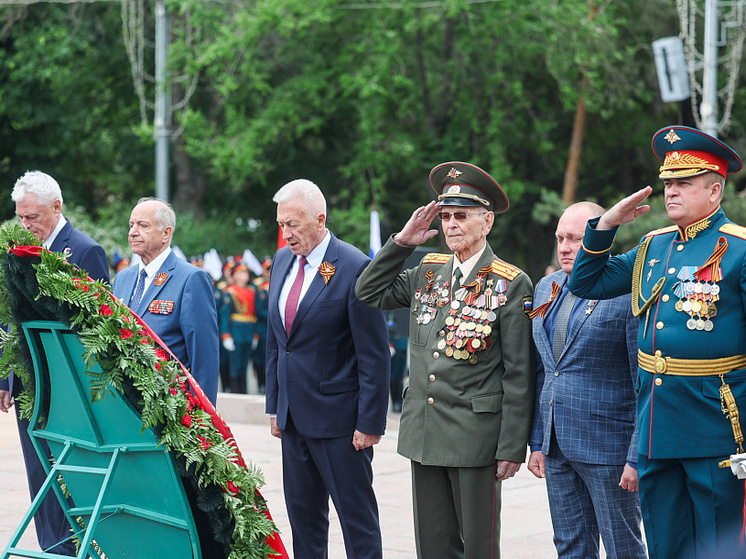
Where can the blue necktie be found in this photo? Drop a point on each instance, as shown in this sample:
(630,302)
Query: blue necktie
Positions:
(139,289)
(560,325)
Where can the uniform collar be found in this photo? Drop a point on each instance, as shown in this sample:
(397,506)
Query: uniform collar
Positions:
(693,229)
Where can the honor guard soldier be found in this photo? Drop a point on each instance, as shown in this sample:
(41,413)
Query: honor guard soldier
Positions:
(687,283)
(467,411)
(237,326)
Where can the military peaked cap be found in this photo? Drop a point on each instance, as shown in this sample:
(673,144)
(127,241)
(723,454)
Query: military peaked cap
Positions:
(687,152)
(464,184)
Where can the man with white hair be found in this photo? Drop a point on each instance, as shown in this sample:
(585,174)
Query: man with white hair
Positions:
(38,200)
(327,379)
(173,297)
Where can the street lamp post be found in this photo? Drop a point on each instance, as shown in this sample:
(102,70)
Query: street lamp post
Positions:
(162,139)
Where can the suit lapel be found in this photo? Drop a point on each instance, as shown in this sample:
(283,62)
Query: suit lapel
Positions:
(166,268)
(577,324)
(317,285)
(61,240)
(543,345)
(281,267)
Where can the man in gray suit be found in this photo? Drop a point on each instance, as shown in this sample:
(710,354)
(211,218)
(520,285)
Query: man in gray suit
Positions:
(584,439)
(467,411)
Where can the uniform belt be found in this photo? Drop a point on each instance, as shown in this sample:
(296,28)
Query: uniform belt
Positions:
(689,367)
(242,318)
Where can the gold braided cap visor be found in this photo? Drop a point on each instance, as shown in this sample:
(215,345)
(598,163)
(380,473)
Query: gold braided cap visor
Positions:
(678,164)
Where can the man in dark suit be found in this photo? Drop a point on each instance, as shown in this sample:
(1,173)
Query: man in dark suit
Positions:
(583,438)
(467,411)
(173,297)
(38,200)
(327,379)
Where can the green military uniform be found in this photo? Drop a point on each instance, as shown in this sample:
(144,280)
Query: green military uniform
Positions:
(470,397)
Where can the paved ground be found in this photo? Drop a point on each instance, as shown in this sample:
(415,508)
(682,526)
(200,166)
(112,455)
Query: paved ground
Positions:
(527,532)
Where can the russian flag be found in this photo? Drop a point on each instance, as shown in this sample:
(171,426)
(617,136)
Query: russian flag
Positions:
(375,233)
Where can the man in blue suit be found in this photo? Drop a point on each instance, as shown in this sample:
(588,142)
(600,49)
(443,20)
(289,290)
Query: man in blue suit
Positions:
(173,297)
(327,379)
(688,288)
(38,200)
(583,438)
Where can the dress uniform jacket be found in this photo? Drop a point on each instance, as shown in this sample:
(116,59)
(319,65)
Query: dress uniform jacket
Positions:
(459,412)
(671,409)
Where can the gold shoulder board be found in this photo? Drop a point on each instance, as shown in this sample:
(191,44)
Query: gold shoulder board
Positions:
(435,258)
(733,229)
(669,229)
(505,270)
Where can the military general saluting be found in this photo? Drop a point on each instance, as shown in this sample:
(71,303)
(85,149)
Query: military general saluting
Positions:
(688,284)
(467,411)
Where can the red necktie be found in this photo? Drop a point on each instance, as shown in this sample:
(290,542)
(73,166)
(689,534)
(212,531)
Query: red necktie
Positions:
(291,307)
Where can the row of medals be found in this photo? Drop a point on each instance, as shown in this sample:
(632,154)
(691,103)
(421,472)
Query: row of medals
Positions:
(469,328)
(697,299)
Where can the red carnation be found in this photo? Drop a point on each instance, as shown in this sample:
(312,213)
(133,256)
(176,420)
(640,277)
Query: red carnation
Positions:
(160,354)
(126,334)
(204,443)
(105,310)
(186,421)
(232,488)
(173,391)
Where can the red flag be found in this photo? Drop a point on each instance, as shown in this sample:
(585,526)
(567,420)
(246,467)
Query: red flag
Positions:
(280,240)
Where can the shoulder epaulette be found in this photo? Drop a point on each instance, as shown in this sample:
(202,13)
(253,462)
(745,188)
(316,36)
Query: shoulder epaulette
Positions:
(505,270)
(669,229)
(435,258)
(734,229)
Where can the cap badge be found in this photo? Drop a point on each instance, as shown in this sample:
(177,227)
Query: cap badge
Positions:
(453,189)
(672,137)
(453,173)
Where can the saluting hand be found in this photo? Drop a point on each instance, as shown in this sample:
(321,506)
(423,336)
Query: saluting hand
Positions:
(417,230)
(626,210)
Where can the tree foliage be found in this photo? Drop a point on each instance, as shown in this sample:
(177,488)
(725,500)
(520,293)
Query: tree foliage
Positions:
(362,98)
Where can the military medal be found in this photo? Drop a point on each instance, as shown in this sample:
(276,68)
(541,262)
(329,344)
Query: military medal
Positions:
(160,279)
(652,262)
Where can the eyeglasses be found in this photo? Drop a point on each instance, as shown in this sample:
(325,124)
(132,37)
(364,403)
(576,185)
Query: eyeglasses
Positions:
(458,216)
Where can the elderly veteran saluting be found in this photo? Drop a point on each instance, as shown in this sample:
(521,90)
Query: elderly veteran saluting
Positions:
(687,283)
(467,411)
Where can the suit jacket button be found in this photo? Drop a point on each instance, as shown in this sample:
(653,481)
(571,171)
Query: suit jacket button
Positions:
(430,401)
(556,373)
(432,377)
(436,354)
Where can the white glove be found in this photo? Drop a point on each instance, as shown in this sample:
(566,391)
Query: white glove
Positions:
(738,465)
(229,344)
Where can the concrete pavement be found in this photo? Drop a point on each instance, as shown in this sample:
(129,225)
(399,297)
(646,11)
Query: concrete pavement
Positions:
(526,526)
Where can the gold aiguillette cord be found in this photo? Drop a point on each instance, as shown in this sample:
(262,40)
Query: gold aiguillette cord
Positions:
(637,272)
